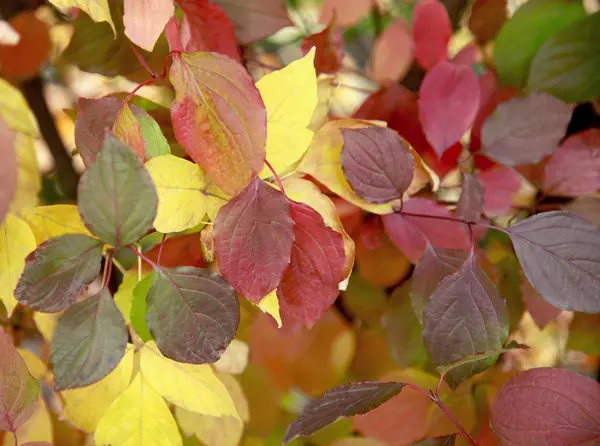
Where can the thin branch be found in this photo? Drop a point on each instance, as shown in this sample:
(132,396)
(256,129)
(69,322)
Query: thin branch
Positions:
(452,418)
(279,183)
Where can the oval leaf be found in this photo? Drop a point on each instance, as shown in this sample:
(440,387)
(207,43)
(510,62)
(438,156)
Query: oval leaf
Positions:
(393,53)
(377,163)
(560,254)
(88,343)
(58,271)
(145,20)
(431,31)
(192,314)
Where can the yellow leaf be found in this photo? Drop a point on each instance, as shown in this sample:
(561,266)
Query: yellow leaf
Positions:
(16,242)
(124,295)
(185,194)
(52,221)
(98,10)
(235,358)
(37,428)
(270,305)
(36,366)
(28,175)
(15,111)
(46,324)
(191,386)
(290,96)
(86,406)
(139,416)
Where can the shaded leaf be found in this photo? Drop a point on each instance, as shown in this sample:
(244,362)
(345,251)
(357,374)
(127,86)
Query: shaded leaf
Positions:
(219,118)
(471,200)
(145,20)
(560,254)
(8,168)
(584,335)
(447,440)
(343,401)
(139,307)
(586,207)
(98,10)
(36,430)
(525,129)
(253,236)
(58,271)
(53,221)
(486,18)
(329,46)
(480,357)
(555,406)
(192,314)
(393,53)
(34,40)
(500,185)
(89,342)
(540,311)
(431,32)
(117,199)
(346,14)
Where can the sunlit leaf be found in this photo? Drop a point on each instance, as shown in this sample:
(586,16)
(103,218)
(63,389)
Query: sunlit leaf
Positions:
(431,31)
(447,440)
(235,358)
(145,20)
(139,307)
(53,221)
(270,305)
(128,130)
(98,10)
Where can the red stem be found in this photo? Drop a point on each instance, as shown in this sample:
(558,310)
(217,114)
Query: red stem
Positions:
(276,177)
(142,256)
(107,271)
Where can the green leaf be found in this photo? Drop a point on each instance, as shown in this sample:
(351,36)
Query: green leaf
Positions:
(568,64)
(523,35)
(156,143)
(117,199)
(58,271)
(139,307)
(89,342)
(491,355)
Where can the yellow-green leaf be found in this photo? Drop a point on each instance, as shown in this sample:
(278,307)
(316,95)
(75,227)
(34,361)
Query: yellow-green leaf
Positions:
(270,305)
(52,221)
(15,111)
(124,295)
(98,10)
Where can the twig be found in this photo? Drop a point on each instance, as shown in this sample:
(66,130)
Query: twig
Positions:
(279,183)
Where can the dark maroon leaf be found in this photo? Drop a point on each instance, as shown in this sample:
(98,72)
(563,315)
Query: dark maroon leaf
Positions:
(58,271)
(8,168)
(447,440)
(193,314)
(524,130)
(377,164)
(465,316)
(548,406)
(344,401)
(310,282)
(470,203)
(253,234)
(88,343)
(560,254)
(329,46)
(448,103)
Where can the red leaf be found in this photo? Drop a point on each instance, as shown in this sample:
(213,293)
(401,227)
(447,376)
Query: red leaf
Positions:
(448,103)
(8,168)
(467,55)
(145,20)
(574,168)
(470,202)
(548,406)
(393,53)
(541,311)
(219,118)
(488,101)
(500,185)
(346,13)
(254,234)
(330,49)
(409,233)
(432,31)
(377,164)
(185,250)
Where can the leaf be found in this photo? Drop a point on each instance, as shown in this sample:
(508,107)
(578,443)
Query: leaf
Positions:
(219,118)
(574,168)
(471,200)
(309,285)
(47,222)
(138,416)
(193,314)
(20,389)
(559,252)
(566,66)
(14,110)
(343,401)
(124,295)
(190,386)
(329,49)
(182,250)
(377,163)
(393,53)
(234,360)
(270,305)
(185,194)
(411,234)
(290,97)
(431,31)
(28,175)
(128,130)
(85,416)
(58,271)
(586,207)
(512,345)
(156,143)
(117,199)
(551,405)
(525,129)
(34,40)
(500,185)
(448,103)
(253,235)
(487,19)
(346,14)
(447,440)
(465,315)
(35,431)
(89,342)
(145,20)
(8,168)
(98,10)
(139,307)
(583,334)
(516,47)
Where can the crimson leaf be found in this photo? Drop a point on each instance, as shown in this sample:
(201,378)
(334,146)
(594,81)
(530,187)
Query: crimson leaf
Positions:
(377,164)
(329,46)
(470,202)
(432,31)
(548,406)
(58,271)
(253,235)
(192,314)
(560,254)
(88,343)
(343,401)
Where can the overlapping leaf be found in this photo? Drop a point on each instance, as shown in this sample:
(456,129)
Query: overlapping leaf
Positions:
(329,47)
(139,307)
(47,222)
(393,53)
(98,10)
(471,200)
(500,185)
(431,31)
(145,20)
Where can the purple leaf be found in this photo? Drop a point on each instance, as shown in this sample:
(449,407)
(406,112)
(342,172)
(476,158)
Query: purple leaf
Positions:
(560,254)
(254,234)
(524,130)
(470,202)
(464,316)
(548,406)
(192,314)
(344,401)
(377,164)
(58,271)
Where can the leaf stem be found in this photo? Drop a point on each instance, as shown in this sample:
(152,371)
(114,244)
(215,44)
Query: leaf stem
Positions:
(279,183)
(107,271)
(143,257)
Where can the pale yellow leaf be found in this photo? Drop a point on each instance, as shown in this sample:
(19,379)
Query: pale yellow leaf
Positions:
(46,324)
(37,428)
(28,175)
(52,221)
(235,358)
(36,366)
(16,242)
(290,96)
(185,194)
(191,386)
(124,295)
(138,417)
(98,10)
(15,111)
(270,305)
(85,407)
